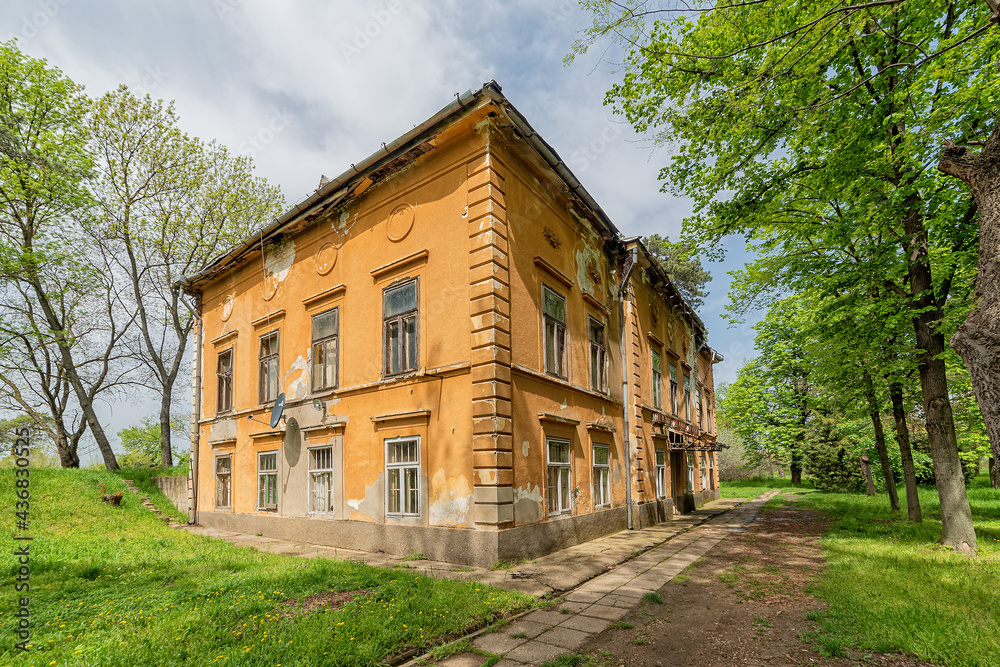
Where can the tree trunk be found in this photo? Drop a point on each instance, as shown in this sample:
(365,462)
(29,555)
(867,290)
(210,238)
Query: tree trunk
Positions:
(995,472)
(796,466)
(957,529)
(166,456)
(903,440)
(874,411)
(978,338)
(68,457)
(866,472)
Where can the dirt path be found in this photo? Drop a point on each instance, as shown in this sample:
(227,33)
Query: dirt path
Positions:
(743,603)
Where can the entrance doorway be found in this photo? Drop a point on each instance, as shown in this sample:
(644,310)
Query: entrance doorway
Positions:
(678,481)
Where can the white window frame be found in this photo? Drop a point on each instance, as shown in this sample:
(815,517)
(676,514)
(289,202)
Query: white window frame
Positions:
(311,454)
(711,470)
(703,470)
(673,388)
(598,355)
(656,373)
(690,466)
(564,478)
(321,346)
(602,478)
(402,467)
(661,472)
(229,505)
(559,365)
(687,397)
(262,476)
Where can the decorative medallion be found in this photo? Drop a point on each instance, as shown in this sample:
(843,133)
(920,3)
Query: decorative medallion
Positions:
(227,307)
(270,286)
(594,273)
(654,315)
(326,258)
(400,223)
(551,237)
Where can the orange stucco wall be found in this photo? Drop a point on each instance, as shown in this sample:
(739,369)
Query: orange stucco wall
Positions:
(482,224)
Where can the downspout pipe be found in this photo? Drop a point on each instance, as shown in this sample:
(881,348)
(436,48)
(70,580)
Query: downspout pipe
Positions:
(195,410)
(622,295)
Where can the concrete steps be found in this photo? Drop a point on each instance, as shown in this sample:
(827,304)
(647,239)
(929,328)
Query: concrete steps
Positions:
(130,485)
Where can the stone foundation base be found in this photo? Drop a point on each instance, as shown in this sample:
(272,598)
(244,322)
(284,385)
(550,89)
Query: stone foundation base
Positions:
(481,548)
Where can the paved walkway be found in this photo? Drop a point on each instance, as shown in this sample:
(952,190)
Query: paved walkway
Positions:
(540,636)
(563,570)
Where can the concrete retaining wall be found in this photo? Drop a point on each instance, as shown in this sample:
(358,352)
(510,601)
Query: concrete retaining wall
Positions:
(175,489)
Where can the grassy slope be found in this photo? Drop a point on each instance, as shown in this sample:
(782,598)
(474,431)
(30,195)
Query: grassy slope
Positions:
(143,479)
(115,586)
(890,587)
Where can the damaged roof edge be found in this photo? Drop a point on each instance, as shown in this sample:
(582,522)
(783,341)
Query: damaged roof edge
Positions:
(490,91)
(662,275)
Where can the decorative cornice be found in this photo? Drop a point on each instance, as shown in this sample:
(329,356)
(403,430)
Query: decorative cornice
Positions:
(399,263)
(566,281)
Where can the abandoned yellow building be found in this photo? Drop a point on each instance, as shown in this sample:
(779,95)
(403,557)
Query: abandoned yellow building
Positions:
(449,322)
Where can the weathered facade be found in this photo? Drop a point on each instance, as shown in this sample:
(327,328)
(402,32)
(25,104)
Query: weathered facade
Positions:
(445,323)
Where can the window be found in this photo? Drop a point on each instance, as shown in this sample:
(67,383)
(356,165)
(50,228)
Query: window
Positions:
(554,309)
(657,380)
(661,473)
(704,470)
(267,481)
(673,389)
(687,398)
(598,357)
(267,387)
(701,413)
(326,353)
(711,470)
(602,476)
(690,462)
(224,374)
(399,318)
(321,479)
(559,475)
(224,482)
(402,467)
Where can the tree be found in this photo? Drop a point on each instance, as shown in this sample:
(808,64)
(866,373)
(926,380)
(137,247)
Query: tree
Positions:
(44,167)
(791,114)
(142,443)
(167,204)
(681,262)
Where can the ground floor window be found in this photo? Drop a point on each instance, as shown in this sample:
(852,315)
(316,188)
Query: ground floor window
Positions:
(402,471)
(560,473)
(602,476)
(711,470)
(661,473)
(690,462)
(267,481)
(224,482)
(321,479)
(704,471)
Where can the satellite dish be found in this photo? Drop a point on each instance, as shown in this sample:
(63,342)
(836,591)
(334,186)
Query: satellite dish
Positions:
(277,410)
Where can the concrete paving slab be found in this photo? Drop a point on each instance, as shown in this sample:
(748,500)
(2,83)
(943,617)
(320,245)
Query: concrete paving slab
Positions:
(498,642)
(535,652)
(587,624)
(604,611)
(584,596)
(464,660)
(549,618)
(529,628)
(564,637)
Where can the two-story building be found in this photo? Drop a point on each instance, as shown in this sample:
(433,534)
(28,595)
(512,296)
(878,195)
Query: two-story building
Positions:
(450,323)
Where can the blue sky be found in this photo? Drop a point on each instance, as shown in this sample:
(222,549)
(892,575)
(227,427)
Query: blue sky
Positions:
(307,88)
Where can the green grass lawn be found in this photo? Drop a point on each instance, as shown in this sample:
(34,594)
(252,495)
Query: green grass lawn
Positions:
(751,488)
(891,587)
(114,586)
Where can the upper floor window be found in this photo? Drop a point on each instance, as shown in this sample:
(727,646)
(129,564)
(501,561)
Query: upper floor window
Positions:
(224,375)
(687,397)
(598,357)
(268,385)
(326,350)
(701,413)
(399,318)
(554,316)
(657,380)
(673,389)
